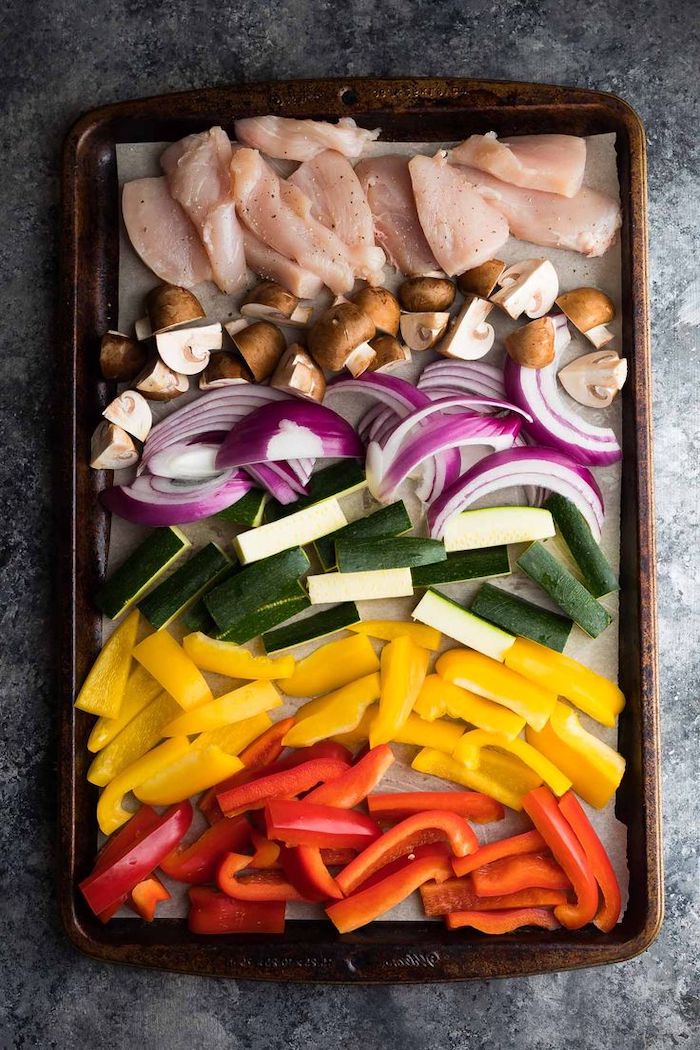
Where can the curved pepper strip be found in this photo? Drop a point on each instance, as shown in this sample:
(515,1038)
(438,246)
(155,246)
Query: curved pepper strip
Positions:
(170,665)
(305,869)
(528,842)
(240,704)
(337,857)
(488,678)
(355,784)
(339,712)
(197,863)
(403,669)
(141,688)
(470,747)
(103,690)
(267,853)
(433,850)
(212,912)
(370,903)
(439,697)
(192,772)
(235,737)
(472,805)
(117,844)
(309,824)
(258,886)
(233,661)
(110,811)
(496,922)
(332,666)
(440,898)
(388,630)
(542,809)
(499,776)
(146,896)
(140,734)
(286,784)
(609,911)
(522,872)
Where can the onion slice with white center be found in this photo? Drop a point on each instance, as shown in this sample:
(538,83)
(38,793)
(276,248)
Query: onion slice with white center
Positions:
(281,483)
(185,461)
(161,501)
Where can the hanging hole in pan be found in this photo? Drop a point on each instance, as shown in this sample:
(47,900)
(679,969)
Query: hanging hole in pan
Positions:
(348,96)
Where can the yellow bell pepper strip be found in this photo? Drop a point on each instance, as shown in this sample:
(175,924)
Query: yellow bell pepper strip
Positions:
(339,712)
(141,734)
(439,734)
(233,660)
(332,666)
(191,772)
(235,738)
(170,665)
(110,811)
(494,681)
(141,688)
(593,694)
(387,630)
(470,748)
(499,776)
(594,768)
(439,697)
(403,669)
(242,703)
(360,734)
(103,689)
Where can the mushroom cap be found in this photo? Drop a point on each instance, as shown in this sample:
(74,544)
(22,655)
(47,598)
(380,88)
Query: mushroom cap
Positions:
(269,293)
(297,373)
(389,353)
(111,448)
(121,358)
(587,308)
(426,294)
(481,280)
(594,379)
(338,332)
(261,346)
(224,369)
(381,307)
(420,331)
(157,382)
(533,345)
(169,305)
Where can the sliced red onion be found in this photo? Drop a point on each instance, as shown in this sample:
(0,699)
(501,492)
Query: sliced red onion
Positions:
(185,460)
(390,390)
(281,486)
(470,377)
(545,467)
(554,424)
(162,501)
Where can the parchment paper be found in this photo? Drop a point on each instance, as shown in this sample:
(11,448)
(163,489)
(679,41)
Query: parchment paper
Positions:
(135,280)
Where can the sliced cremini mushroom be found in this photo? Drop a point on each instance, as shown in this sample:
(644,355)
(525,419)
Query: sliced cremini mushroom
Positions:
(528,287)
(187,350)
(589,310)
(426,294)
(224,369)
(382,307)
(469,337)
(271,302)
(261,346)
(422,330)
(142,329)
(111,448)
(595,379)
(482,279)
(297,373)
(169,305)
(340,339)
(157,382)
(121,358)
(390,353)
(536,344)
(132,413)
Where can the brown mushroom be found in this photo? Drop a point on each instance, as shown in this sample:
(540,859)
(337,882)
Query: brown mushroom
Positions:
(297,373)
(121,358)
(482,279)
(261,346)
(157,382)
(187,350)
(224,369)
(168,306)
(142,329)
(426,294)
(340,339)
(131,412)
(271,302)
(381,307)
(589,310)
(390,353)
(469,337)
(111,448)
(423,330)
(533,345)
(595,379)
(528,287)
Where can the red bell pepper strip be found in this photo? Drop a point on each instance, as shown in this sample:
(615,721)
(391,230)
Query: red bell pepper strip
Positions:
(417,830)
(306,870)
(337,858)
(268,746)
(118,843)
(112,882)
(609,911)
(266,854)
(307,824)
(440,898)
(355,784)
(197,863)
(146,896)
(373,901)
(528,842)
(434,850)
(258,886)
(542,808)
(522,872)
(504,921)
(471,805)
(286,784)
(212,912)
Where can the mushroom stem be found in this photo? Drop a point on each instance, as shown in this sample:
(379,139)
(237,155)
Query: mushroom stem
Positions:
(469,337)
(360,359)
(297,373)
(421,331)
(389,353)
(529,287)
(595,379)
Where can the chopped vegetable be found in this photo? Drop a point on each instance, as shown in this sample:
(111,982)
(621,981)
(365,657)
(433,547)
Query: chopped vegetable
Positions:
(392,553)
(598,575)
(319,433)
(370,903)
(501,777)
(198,862)
(441,898)
(235,737)
(403,669)
(257,885)
(189,773)
(163,658)
(528,842)
(338,712)
(489,678)
(360,586)
(306,870)
(456,622)
(353,786)
(176,594)
(521,617)
(103,690)
(304,526)
(341,479)
(320,625)
(146,896)
(313,824)
(523,871)
(505,921)
(463,565)
(492,526)
(141,688)
(389,521)
(292,600)
(391,808)
(212,912)
(249,589)
(141,570)
(257,793)
(440,697)
(332,666)
(110,811)
(441,733)
(141,734)
(237,706)
(469,749)
(426,637)
(565,590)
(228,659)
(609,911)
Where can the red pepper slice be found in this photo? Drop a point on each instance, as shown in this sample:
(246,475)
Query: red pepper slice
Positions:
(504,921)
(197,863)
(522,872)
(417,830)
(286,784)
(212,912)
(542,808)
(354,785)
(118,843)
(373,901)
(307,824)
(337,858)
(305,869)
(257,886)
(268,746)
(440,898)
(471,805)
(609,911)
(266,854)
(434,850)
(112,882)
(146,896)
(529,842)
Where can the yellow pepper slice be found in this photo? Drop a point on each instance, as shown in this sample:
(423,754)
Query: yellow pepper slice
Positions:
(499,776)
(235,737)
(597,696)
(141,734)
(170,665)
(141,688)
(439,734)
(110,812)
(439,697)
(194,771)
(489,678)
(360,734)
(403,669)
(426,637)
(103,689)
(470,749)
(594,768)
(339,712)
(332,666)
(234,661)
(236,706)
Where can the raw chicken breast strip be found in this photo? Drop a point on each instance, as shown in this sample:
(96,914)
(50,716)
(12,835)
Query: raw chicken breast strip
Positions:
(551,163)
(387,186)
(267,263)
(462,230)
(290,139)
(338,201)
(280,215)
(586,223)
(162,235)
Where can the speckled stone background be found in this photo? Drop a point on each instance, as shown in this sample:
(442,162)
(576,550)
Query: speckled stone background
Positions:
(61,58)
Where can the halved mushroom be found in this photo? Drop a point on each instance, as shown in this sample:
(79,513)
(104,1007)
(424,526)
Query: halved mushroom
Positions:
(224,369)
(390,353)
(261,346)
(595,379)
(237,325)
(111,448)
(589,310)
(187,350)
(423,330)
(382,307)
(271,302)
(297,373)
(132,413)
(340,339)
(168,306)
(157,382)
(426,294)
(536,344)
(528,287)
(482,279)
(469,337)
(120,357)
(142,329)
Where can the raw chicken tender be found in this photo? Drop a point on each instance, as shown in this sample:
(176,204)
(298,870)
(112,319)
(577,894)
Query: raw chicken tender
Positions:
(267,263)
(291,139)
(551,163)
(387,186)
(162,235)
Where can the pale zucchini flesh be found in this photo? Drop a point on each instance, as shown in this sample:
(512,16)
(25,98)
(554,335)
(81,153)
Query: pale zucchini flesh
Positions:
(493,526)
(294,530)
(435,610)
(359,586)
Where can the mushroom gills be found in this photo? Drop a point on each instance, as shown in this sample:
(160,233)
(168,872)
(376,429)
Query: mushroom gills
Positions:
(132,413)
(111,448)
(528,287)
(157,382)
(421,331)
(469,337)
(187,350)
(594,379)
(297,373)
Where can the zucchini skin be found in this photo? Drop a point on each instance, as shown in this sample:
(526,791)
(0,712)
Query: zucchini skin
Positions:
(463,565)
(564,589)
(255,585)
(141,569)
(184,586)
(395,552)
(293,600)
(313,627)
(385,522)
(521,617)
(248,510)
(586,552)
